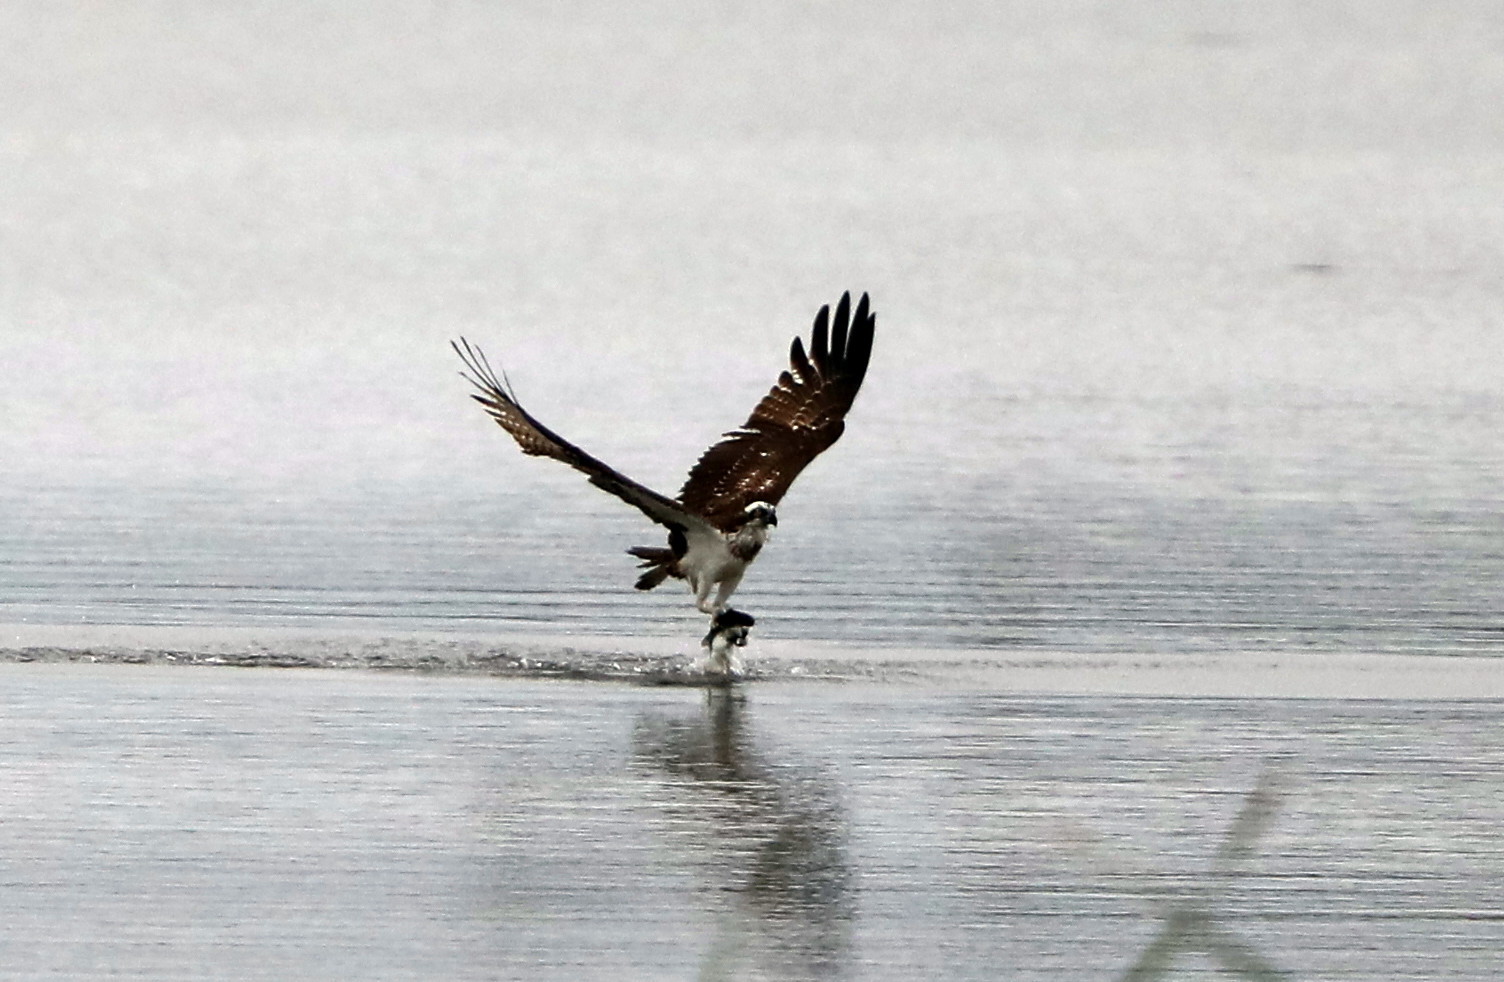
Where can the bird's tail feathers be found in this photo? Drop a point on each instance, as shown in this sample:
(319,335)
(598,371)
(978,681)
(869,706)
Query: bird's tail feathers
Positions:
(658,562)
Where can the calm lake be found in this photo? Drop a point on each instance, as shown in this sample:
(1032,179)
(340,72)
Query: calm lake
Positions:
(198,823)
(1143,624)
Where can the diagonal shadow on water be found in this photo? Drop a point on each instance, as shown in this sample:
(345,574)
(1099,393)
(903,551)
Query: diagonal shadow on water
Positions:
(768,834)
(1194,914)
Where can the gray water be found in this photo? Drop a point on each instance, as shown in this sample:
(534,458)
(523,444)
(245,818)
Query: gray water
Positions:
(202,823)
(1186,386)
(1188,315)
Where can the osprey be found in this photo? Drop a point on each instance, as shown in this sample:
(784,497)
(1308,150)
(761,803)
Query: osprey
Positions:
(722,516)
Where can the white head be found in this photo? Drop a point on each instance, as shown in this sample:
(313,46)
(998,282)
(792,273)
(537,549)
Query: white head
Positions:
(761,512)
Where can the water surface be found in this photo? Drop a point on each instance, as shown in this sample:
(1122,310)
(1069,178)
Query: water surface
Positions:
(204,823)
(1143,624)
(1187,317)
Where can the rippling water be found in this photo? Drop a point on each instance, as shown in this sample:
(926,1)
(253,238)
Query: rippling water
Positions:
(192,823)
(1186,393)
(1199,354)
(1354,532)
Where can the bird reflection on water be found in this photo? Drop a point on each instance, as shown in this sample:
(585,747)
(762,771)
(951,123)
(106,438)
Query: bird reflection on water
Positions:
(769,835)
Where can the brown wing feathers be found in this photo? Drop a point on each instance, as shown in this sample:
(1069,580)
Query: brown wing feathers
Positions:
(536,439)
(801,417)
(795,422)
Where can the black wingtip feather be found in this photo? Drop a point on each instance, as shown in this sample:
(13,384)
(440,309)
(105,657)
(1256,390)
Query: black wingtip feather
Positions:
(862,310)
(480,374)
(838,335)
(799,359)
(859,345)
(819,340)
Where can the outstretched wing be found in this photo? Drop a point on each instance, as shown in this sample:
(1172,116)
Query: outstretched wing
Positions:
(538,440)
(797,421)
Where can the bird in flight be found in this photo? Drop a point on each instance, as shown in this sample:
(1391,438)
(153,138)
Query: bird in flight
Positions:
(723,514)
